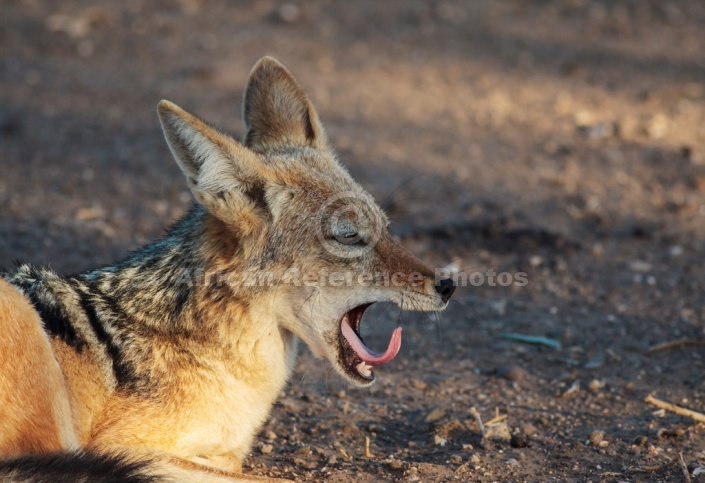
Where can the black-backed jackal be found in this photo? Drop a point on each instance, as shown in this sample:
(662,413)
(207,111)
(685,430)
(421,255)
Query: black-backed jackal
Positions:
(163,367)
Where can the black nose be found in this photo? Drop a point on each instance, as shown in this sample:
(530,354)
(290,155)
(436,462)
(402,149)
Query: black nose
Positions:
(445,288)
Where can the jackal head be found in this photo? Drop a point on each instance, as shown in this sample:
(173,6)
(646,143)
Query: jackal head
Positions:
(299,235)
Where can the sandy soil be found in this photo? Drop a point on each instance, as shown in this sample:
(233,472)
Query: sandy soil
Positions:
(560,138)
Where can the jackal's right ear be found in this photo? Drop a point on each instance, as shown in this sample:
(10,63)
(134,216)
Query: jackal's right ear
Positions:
(223,175)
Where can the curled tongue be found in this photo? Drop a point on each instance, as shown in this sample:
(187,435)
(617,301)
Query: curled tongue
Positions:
(365,354)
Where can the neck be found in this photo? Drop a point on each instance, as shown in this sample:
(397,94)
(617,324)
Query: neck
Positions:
(173,285)
(168,294)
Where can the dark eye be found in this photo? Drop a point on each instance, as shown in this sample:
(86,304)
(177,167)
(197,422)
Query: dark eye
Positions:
(350,239)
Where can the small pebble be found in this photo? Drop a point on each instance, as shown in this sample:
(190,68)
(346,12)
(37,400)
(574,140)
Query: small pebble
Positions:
(376,428)
(519,440)
(271,435)
(594,386)
(596,437)
(670,433)
(512,372)
(396,465)
(529,429)
(641,440)
(309,465)
(500,306)
(474,459)
(640,266)
(600,130)
(456,458)
(439,441)
(435,415)
(267,449)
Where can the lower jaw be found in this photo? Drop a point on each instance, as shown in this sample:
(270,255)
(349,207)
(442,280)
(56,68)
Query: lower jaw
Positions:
(355,377)
(361,381)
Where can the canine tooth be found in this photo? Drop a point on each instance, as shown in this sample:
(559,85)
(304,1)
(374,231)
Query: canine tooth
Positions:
(364,369)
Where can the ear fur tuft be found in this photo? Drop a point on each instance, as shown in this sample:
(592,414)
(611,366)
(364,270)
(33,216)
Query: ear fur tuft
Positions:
(219,170)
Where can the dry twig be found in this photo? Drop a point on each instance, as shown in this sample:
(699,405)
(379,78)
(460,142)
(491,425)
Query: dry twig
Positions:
(684,467)
(654,469)
(613,355)
(496,420)
(368,453)
(478,420)
(677,343)
(672,408)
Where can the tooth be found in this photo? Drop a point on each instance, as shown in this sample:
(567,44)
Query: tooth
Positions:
(364,369)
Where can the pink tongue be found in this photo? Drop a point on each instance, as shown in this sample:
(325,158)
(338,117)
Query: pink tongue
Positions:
(366,354)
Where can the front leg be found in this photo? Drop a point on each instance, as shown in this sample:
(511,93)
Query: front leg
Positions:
(143,430)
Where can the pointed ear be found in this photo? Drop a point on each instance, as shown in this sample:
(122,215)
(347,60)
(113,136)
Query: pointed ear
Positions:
(224,176)
(277,112)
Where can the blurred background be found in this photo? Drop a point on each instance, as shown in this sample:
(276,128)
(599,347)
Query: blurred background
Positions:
(561,138)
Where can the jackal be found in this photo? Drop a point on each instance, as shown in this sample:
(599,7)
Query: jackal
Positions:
(164,366)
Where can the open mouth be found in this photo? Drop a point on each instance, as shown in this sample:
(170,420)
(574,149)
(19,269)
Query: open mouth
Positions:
(357,359)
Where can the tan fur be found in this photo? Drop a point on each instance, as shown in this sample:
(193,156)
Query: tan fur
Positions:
(189,387)
(35,415)
(87,390)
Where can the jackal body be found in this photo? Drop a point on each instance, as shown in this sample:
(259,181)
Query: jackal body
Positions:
(167,359)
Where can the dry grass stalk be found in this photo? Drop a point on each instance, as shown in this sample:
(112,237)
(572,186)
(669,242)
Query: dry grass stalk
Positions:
(672,408)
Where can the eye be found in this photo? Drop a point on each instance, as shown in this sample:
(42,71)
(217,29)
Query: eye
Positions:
(350,239)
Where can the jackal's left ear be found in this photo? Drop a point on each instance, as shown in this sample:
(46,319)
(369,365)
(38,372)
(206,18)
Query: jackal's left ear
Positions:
(277,112)
(223,175)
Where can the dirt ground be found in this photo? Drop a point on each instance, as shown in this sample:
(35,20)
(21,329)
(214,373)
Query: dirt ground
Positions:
(560,138)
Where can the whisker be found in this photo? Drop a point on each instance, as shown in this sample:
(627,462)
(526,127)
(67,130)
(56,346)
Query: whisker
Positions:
(400,310)
(471,267)
(439,328)
(302,379)
(456,259)
(327,376)
(276,288)
(474,317)
(384,204)
(318,298)
(313,292)
(399,201)
(417,308)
